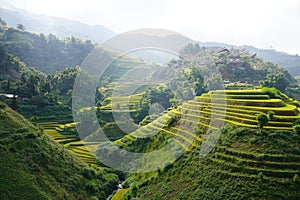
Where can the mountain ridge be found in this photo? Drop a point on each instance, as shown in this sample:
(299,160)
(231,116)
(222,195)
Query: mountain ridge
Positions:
(53,25)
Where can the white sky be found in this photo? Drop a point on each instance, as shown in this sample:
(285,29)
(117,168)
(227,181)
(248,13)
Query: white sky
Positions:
(261,23)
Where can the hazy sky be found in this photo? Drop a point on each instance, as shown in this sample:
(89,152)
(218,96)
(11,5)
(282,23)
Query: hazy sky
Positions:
(262,23)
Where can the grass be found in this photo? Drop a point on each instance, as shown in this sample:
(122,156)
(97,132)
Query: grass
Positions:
(258,163)
(33,166)
(118,195)
(266,165)
(221,175)
(274,173)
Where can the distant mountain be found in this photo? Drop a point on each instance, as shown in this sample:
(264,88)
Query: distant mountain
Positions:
(54,25)
(66,28)
(158,47)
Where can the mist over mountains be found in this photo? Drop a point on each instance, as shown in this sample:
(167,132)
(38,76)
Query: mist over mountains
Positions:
(65,28)
(48,24)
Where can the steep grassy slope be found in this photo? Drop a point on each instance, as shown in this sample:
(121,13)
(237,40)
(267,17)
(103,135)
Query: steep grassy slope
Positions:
(33,166)
(246,164)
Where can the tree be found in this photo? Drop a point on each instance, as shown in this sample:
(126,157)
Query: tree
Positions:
(2,22)
(117,107)
(190,49)
(174,102)
(14,103)
(21,27)
(277,80)
(270,115)
(214,82)
(296,129)
(260,176)
(8,85)
(262,120)
(296,178)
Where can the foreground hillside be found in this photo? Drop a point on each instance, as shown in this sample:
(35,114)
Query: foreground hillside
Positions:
(249,161)
(35,167)
(246,164)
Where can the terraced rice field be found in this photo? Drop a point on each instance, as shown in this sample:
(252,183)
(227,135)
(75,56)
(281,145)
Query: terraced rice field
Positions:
(237,107)
(121,103)
(249,164)
(54,129)
(182,125)
(241,108)
(85,151)
(184,136)
(63,134)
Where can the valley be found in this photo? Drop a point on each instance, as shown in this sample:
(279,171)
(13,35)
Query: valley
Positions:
(224,124)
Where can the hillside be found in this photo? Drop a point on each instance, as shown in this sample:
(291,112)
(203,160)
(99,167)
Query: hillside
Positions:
(45,53)
(287,61)
(33,166)
(53,25)
(246,164)
(248,161)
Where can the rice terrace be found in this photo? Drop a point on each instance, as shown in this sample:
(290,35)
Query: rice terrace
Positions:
(89,113)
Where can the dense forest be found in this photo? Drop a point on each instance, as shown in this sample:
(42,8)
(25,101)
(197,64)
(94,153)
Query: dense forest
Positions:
(46,53)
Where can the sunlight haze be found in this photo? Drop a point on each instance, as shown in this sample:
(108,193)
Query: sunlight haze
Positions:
(264,24)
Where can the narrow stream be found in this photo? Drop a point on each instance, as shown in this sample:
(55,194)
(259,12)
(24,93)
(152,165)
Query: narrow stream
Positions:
(113,192)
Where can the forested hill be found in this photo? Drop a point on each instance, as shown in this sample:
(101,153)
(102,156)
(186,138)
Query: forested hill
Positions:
(235,65)
(45,53)
(33,166)
(287,61)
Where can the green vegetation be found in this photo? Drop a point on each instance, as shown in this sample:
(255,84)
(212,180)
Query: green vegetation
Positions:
(278,80)
(35,167)
(235,66)
(34,49)
(257,155)
(246,164)
(246,158)
(262,120)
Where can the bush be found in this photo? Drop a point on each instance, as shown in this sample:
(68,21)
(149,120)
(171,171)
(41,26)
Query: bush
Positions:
(296,178)
(34,119)
(198,131)
(296,129)
(271,115)
(262,120)
(2,105)
(297,122)
(260,176)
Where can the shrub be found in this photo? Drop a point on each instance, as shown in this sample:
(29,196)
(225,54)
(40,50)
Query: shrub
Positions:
(2,105)
(297,122)
(271,115)
(260,176)
(296,178)
(34,119)
(296,129)
(262,120)
(168,166)
(198,131)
